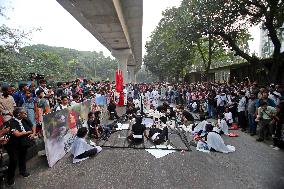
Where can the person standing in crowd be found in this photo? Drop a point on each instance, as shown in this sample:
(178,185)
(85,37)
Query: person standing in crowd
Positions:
(22,131)
(19,96)
(64,103)
(221,103)
(75,100)
(251,108)
(264,117)
(277,125)
(7,104)
(42,86)
(228,116)
(29,105)
(211,104)
(264,98)
(241,111)
(274,94)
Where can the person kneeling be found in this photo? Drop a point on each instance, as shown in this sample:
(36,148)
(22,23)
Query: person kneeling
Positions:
(157,135)
(80,149)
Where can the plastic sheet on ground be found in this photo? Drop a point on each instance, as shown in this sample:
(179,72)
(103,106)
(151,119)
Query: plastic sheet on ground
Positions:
(122,126)
(158,153)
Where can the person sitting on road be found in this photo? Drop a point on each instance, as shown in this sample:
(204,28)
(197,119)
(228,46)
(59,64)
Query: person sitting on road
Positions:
(130,108)
(112,110)
(163,107)
(201,126)
(80,149)
(215,141)
(92,126)
(171,113)
(137,132)
(157,135)
(222,125)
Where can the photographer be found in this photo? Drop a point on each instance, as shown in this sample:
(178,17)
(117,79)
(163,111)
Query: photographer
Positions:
(21,135)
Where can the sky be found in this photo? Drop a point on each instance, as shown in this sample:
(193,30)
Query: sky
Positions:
(59,28)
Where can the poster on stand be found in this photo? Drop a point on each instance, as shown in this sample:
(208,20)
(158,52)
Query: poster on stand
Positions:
(60,129)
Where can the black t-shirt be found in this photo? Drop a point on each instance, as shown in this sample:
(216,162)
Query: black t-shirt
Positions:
(111,107)
(153,131)
(138,129)
(96,122)
(15,125)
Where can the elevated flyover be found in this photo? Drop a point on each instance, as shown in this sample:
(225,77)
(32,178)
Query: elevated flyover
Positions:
(117,24)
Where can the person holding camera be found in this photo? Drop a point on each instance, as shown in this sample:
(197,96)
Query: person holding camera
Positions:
(22,133)
(264,118)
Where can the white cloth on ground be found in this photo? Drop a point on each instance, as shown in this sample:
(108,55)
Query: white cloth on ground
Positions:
(216,142)
(200,126)
(80,146)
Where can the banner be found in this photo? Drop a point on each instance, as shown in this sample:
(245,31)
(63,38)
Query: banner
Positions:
(119,87)
(60,129)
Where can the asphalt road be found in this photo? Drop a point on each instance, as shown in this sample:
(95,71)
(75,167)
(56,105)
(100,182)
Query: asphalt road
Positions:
(253,165)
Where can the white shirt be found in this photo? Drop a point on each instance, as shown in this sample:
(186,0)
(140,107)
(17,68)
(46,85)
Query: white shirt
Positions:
(228,117)
(44,89)
(275,98)
(242,104)
(61,107)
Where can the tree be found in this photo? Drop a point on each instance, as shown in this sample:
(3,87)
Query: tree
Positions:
(175,45)
(230,21)
(166,53)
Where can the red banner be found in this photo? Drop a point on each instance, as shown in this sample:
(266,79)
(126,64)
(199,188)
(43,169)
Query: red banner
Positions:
(119,86)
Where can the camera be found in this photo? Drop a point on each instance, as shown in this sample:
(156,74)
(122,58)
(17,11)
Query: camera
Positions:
(34,76)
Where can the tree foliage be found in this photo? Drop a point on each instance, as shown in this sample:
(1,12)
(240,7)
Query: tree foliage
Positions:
(206,33)
(56,63)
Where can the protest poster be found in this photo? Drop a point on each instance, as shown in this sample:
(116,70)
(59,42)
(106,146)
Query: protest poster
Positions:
(60,129)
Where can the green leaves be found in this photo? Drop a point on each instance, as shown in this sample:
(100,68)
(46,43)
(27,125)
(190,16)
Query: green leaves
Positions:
(56,63)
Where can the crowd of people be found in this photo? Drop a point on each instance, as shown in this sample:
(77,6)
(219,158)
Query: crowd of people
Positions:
(254,108)
(22,110)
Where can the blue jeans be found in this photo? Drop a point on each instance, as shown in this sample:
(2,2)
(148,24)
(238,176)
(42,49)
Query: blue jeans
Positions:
(252,124)
(210,110)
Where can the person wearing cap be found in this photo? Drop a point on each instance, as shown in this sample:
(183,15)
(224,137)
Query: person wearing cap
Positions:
(20,95)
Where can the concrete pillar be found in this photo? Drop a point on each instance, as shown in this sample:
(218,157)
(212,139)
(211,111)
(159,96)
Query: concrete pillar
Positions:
(122,56)
(132,74)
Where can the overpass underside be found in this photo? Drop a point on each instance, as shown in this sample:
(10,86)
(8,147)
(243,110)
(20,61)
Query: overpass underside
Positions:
(117,24)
